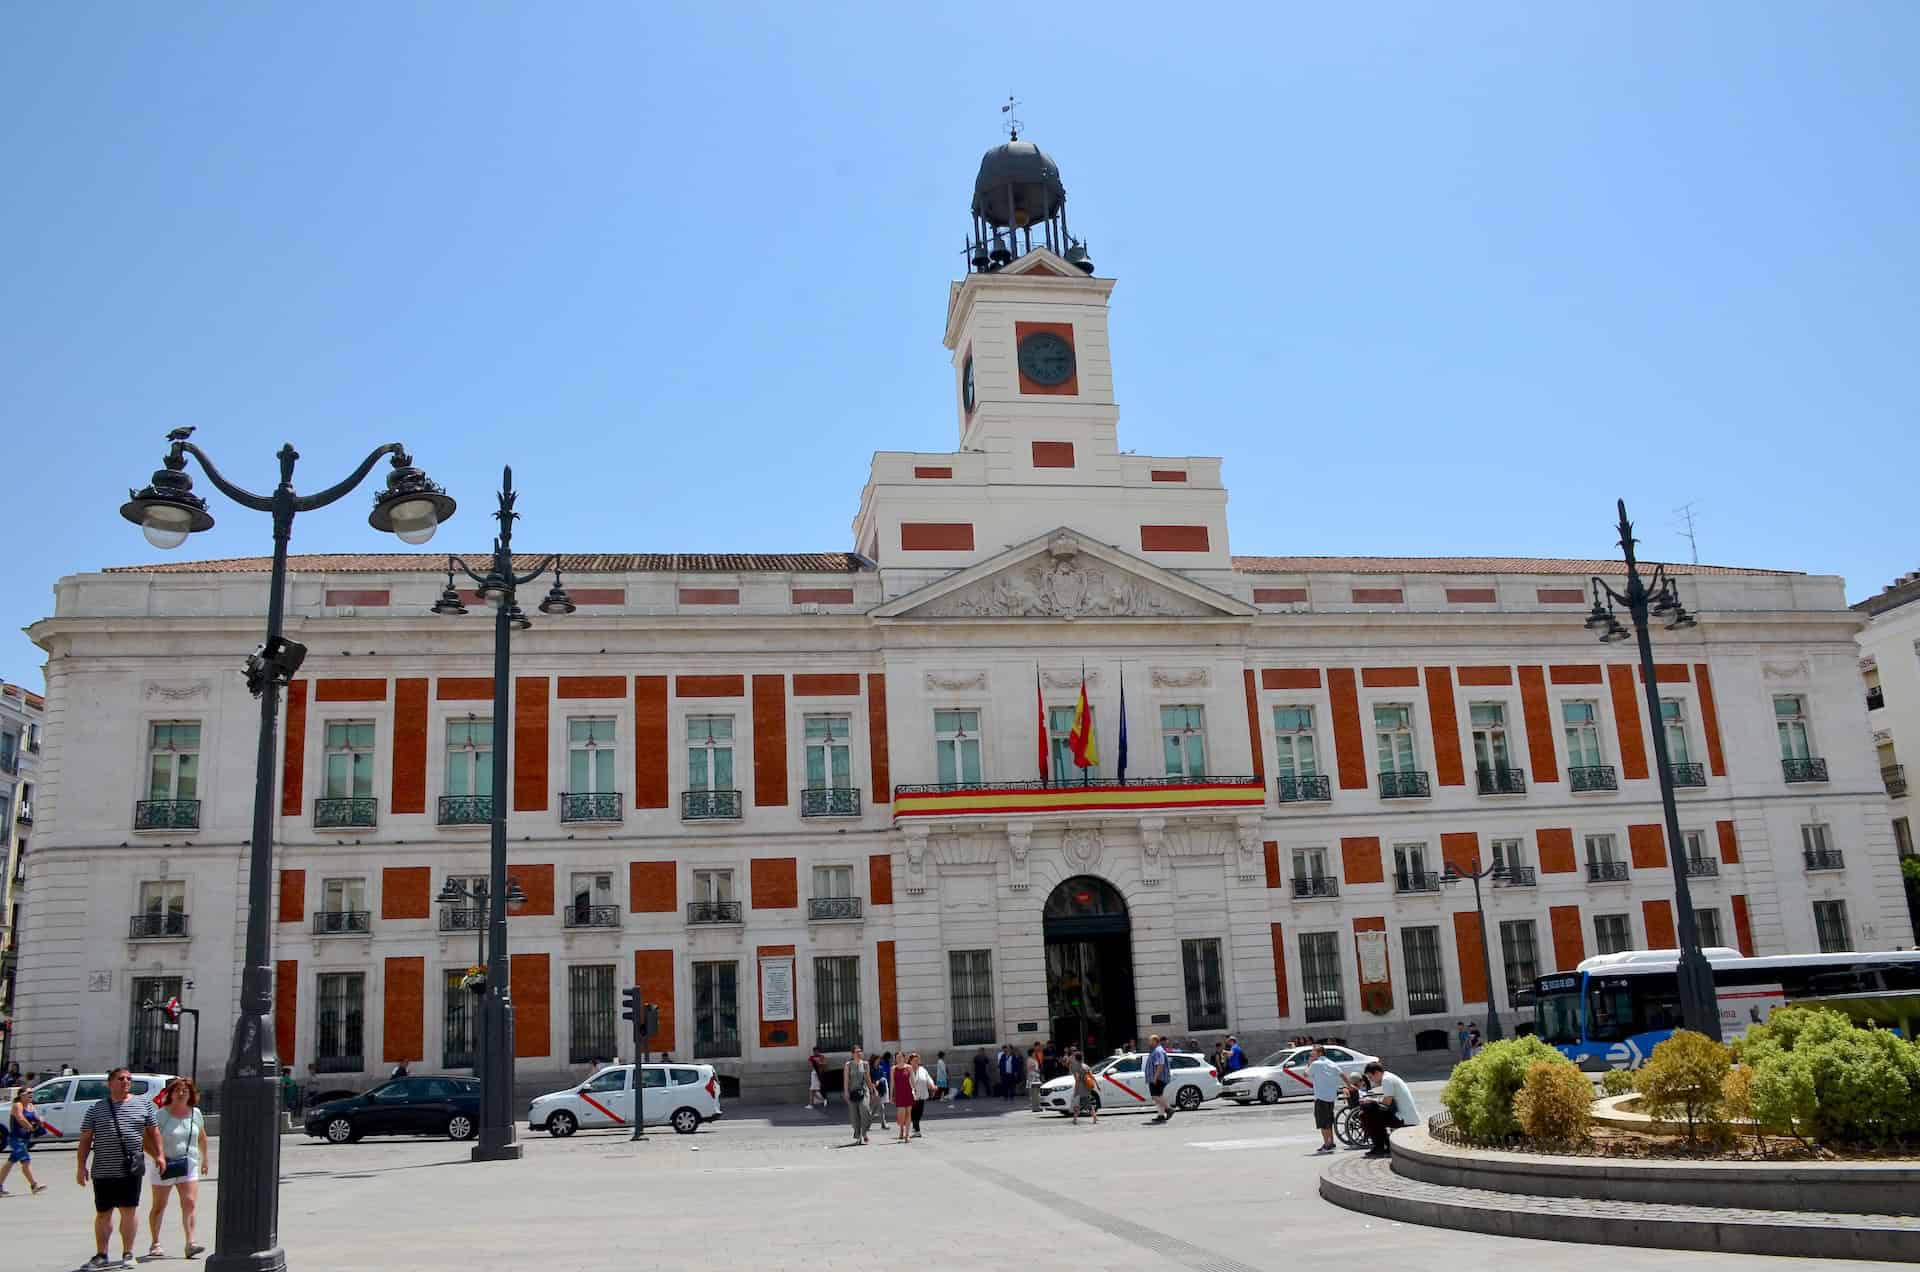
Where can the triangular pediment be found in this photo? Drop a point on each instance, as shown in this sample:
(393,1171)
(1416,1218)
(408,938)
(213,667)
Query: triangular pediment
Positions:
(1064,574)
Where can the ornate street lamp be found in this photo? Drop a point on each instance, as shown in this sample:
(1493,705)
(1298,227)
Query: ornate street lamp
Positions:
(497,587)
(247,1227)
(1498,873)
(1699,1008)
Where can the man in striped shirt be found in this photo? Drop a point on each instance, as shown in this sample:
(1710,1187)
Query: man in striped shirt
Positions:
(118,1131)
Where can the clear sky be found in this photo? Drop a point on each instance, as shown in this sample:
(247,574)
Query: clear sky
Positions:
(1432,278)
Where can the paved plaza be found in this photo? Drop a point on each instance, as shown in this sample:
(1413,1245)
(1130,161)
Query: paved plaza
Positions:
(1223,1189)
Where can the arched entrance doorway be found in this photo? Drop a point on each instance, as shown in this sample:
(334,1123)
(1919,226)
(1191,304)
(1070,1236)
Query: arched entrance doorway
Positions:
(1089,966)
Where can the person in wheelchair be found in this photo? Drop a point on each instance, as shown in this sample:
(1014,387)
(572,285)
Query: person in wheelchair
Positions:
(1389,1105)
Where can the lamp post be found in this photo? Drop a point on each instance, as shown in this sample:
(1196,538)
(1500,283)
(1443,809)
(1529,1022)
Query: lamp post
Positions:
(1497,873)
(498,587)
(246,1231)
(1699,1008)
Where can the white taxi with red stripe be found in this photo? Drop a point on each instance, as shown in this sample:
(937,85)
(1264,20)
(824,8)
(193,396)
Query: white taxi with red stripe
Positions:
(1119,1082)
(678,1095)
(1283,1075)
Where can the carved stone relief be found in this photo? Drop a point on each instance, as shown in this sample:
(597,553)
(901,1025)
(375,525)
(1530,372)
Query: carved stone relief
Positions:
(1081,848)
(1180,678)
(157,692)
(1019,840)
(1069,679)
(1063,585)
(956,681)
(1796,670)
(916,860)
(1153,849)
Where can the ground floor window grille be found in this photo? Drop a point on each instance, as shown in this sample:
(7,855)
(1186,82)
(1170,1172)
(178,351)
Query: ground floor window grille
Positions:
(971,975)
(1426,983)
(152,1048)
(1830,922)
(716,1010)
(836,998)
(590,1014)
(1320,976)
(456,1028)
(1611,933)
(1206,995)
(1519,955)
(340,1023)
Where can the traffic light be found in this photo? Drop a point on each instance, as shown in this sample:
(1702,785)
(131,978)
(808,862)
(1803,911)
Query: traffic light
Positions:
(630,1003)
(273,663)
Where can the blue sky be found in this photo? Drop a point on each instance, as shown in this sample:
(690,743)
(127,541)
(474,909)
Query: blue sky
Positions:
(1433,278)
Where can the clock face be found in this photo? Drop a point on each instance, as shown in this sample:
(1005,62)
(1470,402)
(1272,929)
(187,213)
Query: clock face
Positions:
(1046,359)
(966,383)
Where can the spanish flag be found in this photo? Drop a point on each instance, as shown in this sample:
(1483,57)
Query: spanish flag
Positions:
(1081,740)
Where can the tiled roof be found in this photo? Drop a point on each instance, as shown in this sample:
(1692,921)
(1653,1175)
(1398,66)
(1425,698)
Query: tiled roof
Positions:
(1904,590)
(571,562)
(1464,565)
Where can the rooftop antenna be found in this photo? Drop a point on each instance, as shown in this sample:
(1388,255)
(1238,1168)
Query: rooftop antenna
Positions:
(1685,513)
(1012,125)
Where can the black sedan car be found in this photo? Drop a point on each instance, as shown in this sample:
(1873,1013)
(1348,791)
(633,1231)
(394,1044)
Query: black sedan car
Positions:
(404,1106)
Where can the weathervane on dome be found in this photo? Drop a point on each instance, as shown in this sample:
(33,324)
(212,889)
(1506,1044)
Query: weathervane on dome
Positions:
(1013,126)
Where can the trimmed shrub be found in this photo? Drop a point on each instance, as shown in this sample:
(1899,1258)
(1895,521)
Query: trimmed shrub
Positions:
(1616,1082)
(1555,1103)
(1684,1077)
(1866,1086)
(1791,1029)
(1479,1095)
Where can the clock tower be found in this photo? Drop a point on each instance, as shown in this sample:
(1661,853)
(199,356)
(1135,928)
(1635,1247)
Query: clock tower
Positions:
(1038,449)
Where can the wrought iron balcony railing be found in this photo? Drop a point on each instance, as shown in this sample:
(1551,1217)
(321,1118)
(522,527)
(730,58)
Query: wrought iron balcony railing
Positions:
(466,810)
(1501,781)
(1687,774)
(713,912)
(1875,699)
(1516,877)
(591,916)
(345,812)
(1312,887)
(166,814)
(156,925)
(590,806)
(455,919)
(830,801)
(1416,881)
(1895,776)
(1592,777)
(342,922)
(1825,859)
(709,805)
(1407,784)
(833,907)
(1702,867)
(1807,770)
(1312,789)
(1606,872)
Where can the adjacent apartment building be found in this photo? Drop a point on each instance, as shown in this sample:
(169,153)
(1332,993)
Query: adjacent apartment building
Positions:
(1890,666)
(21,714)
(828,796)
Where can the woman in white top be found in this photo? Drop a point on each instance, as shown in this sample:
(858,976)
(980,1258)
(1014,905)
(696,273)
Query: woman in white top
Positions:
(183,1149)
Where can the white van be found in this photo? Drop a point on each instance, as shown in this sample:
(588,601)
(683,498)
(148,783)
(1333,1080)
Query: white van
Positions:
(678,1095)
(62,1103)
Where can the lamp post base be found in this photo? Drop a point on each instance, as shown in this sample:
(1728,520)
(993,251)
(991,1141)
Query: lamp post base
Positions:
(246,1231)
(1699,1004)
(511,1152)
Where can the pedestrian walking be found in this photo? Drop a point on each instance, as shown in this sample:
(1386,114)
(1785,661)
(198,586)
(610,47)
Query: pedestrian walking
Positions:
(1473,1042)
(1033,1080)
(1009,1070)
(857,1078)
(184,1157)
(22,1125)
(816,1066)
(1328,1082)
(399,1071)
(1236,1058)
(940,1075)
(902,1075)
(113,1135)
(1082,1096)
(1158,1072)
(1460,1036)
(980,1074)
(923,1090)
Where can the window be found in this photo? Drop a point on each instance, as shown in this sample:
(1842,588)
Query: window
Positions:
(713,885)
(1582,722)
(33,737)
(833,881)
(164,903)
(1490,736)
(459,1006)
(1393,736)
(1309,863)
(1410,869)
(1293,742)
(173,760)
(590,1014)
(956,746)
(1508,854)
(1206,996)
(153,1042)
(716,1010)
(1696,843)
(1830,923)
(342,896)
(470,757)
(1320,976)
(1706,925)
(1183,741)
(1600,851)
(340,1021)
(1426,983)
(1519,956)
(970,985)
(592,901)
(349,760)
(590,756)
(1790,721)
(1902,837)
(1673,720)
(1814,839)
(836,1000)
(829,753)
(1611,933)
(1059,751)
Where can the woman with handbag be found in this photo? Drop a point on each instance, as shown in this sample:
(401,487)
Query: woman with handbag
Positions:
(184,1154)
(22,1125)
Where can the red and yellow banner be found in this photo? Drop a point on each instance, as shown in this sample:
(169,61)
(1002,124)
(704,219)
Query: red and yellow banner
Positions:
(1134,797)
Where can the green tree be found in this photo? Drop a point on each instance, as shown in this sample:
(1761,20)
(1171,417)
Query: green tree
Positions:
(1684,1076)
(1479,1095)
